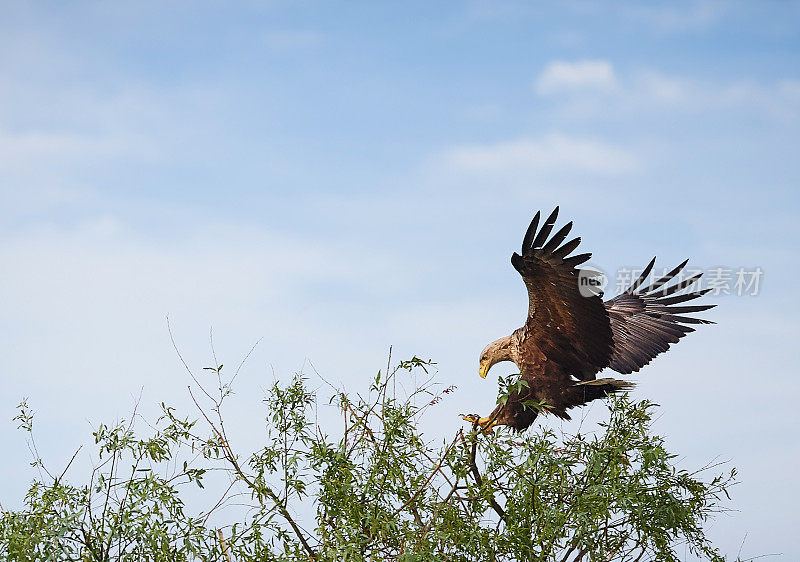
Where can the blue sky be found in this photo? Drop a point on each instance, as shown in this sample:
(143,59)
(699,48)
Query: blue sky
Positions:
(336,178)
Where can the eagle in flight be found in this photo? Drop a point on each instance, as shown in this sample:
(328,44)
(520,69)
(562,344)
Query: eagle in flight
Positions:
(571,334)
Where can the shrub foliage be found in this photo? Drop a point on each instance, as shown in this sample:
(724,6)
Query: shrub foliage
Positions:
(370,488)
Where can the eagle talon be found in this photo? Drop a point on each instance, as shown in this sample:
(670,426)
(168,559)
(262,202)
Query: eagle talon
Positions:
(487,424)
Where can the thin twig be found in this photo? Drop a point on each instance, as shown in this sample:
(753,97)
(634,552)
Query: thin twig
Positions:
(69,464)
(185,365)
(246,357)
(479,480)
(224,546)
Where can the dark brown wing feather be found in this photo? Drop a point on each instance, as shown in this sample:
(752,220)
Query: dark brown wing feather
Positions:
(645,321)
(570,331)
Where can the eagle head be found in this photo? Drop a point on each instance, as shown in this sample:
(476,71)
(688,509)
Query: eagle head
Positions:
(495,352)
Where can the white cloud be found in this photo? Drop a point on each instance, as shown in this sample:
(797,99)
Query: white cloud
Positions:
(677,17)
(46,148)
(650,88)
(579,86)
(582,75)
(552,153)
(661,88)
(95,296)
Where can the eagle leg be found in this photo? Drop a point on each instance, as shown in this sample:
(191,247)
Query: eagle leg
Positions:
(487,424)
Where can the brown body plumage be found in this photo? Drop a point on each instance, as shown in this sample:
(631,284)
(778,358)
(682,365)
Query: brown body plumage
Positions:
(568,337)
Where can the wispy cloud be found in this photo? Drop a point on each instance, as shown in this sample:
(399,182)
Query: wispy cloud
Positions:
(582,75)
(690,15)
(31,149)
(71,283)
(550,153)
(575,87)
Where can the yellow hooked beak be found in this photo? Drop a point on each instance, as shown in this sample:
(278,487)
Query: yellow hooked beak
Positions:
(483,370)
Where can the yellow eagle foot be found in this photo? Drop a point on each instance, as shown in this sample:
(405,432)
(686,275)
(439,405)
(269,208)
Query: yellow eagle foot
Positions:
(487,424)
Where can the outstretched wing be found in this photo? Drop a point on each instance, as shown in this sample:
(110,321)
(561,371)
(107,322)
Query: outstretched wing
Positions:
(646,321)
(571,330)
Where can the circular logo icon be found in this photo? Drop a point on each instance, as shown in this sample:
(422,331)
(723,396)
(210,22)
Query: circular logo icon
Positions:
(591,281)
